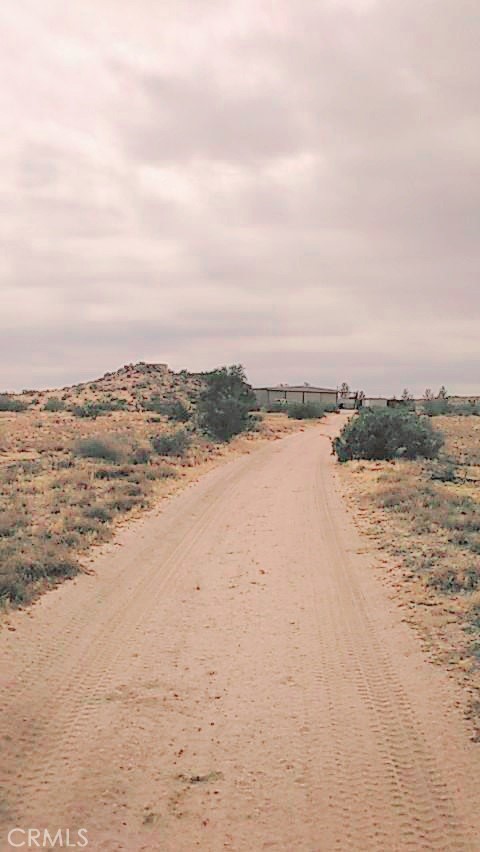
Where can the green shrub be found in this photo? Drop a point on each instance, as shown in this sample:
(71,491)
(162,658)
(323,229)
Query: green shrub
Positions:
(9,403)
(179,412)
(171,443)
(89,409)
(53,403)
(225,403)
(387,434)
(174,409)
(435,407)
(98,448)
(305,410)
(94,409)
(279,407)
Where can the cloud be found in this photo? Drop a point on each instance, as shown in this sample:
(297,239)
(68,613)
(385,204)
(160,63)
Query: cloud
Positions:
(294,188)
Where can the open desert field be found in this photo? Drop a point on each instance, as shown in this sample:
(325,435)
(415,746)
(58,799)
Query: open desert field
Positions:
(76,462)
(425,516)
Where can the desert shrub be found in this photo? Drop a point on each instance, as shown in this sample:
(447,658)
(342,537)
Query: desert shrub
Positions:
(53,403)
(116,472)
(174,409)
(99,448)
(11,521)
(468,409)
(443,470)
(123,503)
(225,403)
(140,455)
(387,434)
(89,409)
(20,570)
(435,407)
(165,471)
(455,580)
(95,408)
(11,587)
(9,403)
(99,513)
(179,412)
(278,407)
(305,410)
(171,443)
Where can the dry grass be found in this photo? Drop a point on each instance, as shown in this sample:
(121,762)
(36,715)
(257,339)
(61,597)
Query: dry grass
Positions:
(66,481)
(427,516)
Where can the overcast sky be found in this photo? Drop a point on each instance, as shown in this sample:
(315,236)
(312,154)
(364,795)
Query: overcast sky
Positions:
(293,186)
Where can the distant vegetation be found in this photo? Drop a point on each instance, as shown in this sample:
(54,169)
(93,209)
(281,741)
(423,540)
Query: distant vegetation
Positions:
(438,407)
(305,410)
(96,408)
(54,403)
(11,403)
(387,434)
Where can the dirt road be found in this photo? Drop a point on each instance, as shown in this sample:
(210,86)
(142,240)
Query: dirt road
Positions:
(235,676)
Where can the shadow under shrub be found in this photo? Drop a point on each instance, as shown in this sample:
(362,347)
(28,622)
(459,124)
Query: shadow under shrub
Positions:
(387,434)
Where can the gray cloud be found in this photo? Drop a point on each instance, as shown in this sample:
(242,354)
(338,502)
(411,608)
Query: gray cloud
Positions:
(298,190)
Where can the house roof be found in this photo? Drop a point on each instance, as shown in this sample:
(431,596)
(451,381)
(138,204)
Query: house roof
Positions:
(297,388)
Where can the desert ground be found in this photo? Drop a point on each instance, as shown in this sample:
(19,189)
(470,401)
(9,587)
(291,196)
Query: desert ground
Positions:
(234,672)
(72,471)
(425,518)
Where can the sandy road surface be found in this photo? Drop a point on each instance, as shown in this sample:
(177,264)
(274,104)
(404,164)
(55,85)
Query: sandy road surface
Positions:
(234,676)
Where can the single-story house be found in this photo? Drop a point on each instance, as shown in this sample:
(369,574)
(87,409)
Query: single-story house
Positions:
(375,402)
(350,401)
(295,393)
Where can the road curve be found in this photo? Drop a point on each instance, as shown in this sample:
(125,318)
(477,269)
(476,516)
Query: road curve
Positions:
(234,675)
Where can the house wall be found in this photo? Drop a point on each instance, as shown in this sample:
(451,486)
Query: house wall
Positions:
(321,397)
(294,396)
(261,396)
(375,403)
(267,396)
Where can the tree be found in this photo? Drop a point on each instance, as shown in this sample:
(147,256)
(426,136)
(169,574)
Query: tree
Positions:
(225,403)
(406,395)
(442,393)
(344,390)
(428,395)
(360,396)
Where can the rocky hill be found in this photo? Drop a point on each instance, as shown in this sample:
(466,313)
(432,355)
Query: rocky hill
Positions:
(134,387)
